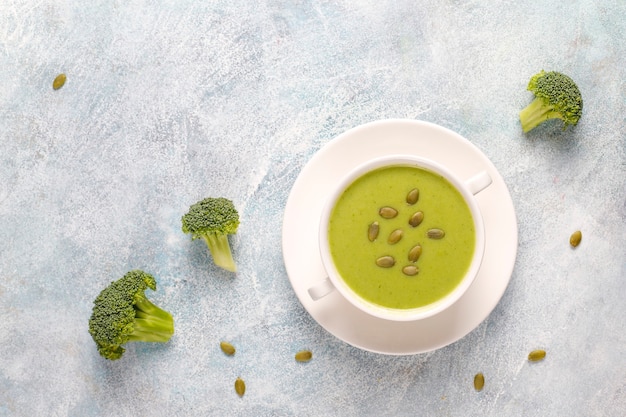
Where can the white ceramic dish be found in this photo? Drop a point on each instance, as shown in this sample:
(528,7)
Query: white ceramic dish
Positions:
(300,236)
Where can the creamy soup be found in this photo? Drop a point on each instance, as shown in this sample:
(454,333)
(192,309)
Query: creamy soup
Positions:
(388,254)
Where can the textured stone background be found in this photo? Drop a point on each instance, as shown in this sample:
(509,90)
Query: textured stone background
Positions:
(169,101)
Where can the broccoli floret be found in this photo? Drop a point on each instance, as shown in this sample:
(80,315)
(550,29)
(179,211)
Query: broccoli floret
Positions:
(122,313)
(556,97)
(212,220)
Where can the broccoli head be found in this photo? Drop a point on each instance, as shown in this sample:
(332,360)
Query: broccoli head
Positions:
(122,313)
(212,220)
(556,97)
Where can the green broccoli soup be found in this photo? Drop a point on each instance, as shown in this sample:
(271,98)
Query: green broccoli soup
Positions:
(401,237)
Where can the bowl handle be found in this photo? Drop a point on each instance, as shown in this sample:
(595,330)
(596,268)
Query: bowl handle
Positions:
(321,290)
(478,182)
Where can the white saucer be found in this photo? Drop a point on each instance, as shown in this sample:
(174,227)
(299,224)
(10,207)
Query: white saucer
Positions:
(300,236)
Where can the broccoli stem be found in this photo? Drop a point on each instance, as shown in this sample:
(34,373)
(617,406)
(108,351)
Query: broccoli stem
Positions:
(220,250)
(152,324)
(535,113)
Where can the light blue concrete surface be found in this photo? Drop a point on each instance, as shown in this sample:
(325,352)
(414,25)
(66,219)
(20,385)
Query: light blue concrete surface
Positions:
(167,102)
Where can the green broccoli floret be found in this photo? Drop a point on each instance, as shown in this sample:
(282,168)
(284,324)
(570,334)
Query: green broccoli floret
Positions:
(122,313)
(212,220)
(556,97)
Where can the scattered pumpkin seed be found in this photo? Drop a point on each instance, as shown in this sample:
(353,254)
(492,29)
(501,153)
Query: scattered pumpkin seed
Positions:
(410,270)
(385,261)
(227,348)
(416,218)
(413,196)
(59,81)
(435,233)
(240,387)
(479,381)
(387,212)
(372,231)
(575,238)
(395,236)
(304,356)
(537,355)
(415,253)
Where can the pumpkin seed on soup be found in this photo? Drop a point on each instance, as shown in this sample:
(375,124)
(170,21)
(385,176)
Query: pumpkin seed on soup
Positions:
(387,212)
(385,261)
(416,219)
(372,231)
(436,233)
(395,236)
(415,253)
(410,270)
(413,196)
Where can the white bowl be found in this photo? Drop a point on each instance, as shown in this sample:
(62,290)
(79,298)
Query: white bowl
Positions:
(467,189)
